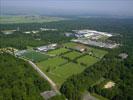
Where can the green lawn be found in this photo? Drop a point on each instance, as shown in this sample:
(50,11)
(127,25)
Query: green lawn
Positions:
(58,51)
(98,52)
(35,56)
(60,73)
(52,62)
(70,44)
(72,55)
(59,69)
(88,60)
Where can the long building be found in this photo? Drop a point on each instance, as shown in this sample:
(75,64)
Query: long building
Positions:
(47,47)
(96,43)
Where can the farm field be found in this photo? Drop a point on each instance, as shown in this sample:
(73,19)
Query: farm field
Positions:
(87,60)
(34,56)
(58,51)
(72,55)
(28,19)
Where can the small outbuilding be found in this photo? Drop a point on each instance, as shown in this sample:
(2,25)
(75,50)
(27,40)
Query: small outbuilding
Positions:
(123,55)
(80,48)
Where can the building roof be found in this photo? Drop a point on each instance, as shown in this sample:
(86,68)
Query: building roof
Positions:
(123,55)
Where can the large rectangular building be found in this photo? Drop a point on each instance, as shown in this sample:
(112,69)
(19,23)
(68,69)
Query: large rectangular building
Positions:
(47,47)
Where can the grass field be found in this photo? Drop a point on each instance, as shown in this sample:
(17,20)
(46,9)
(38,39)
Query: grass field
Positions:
(35,56)
(60,73)
(88,60)
(58,51)
(28,19)
(48,66)
(70,44)
(59,68)
(97,52)
(52,62)
(72,55)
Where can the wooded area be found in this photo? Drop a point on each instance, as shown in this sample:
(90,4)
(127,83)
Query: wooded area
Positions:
(19,81)
(110,67)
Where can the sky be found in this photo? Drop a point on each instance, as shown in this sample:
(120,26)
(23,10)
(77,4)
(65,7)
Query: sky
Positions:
(68,7)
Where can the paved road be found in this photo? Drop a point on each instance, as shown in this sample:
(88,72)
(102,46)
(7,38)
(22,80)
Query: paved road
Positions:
(53,85)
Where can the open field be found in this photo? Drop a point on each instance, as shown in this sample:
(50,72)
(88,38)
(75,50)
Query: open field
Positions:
(28,19)
(61,65)
(70,44)
(58,51)
(48,66)
(97,52)
(72,55)
(35,56)
(52,62)
(59,68)
(60,73)
(87,60)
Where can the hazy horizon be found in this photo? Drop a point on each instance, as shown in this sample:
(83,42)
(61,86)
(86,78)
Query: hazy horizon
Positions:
(68,7)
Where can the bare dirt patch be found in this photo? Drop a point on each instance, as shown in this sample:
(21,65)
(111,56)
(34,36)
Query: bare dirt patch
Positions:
(109,84)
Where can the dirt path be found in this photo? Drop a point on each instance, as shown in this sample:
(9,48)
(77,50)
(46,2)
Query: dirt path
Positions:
(53,85)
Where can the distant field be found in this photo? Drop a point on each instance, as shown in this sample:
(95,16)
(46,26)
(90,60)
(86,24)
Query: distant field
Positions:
(35,56)
(72,55)
(97,52)
(28,19)
(88,60)
(58,51)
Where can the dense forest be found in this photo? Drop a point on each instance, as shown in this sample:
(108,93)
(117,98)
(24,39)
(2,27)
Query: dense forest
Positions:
(111,67)
(19,81)
(21,40)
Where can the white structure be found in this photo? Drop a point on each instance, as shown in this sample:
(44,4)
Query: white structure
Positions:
(47,29)
(28,32)
(8,31)
(35,31)
(47,47)
(123,55)
(90,33)
(96,43)
(19,53)
(109,84)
